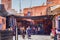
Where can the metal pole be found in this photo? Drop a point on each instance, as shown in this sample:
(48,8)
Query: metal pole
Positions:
(16,30)
(16,34)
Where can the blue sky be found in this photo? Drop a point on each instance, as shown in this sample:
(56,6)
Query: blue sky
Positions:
(26,3)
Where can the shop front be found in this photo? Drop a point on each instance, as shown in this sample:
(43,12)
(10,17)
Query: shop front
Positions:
(57,26)
(36,22)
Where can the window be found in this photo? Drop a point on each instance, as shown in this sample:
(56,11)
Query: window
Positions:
(59,24)
(9,0)
(0,7)
(1,26)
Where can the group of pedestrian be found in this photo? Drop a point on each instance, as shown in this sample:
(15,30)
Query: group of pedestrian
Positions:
(28,32)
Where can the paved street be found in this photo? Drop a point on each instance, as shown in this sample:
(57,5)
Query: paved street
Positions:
(35,37)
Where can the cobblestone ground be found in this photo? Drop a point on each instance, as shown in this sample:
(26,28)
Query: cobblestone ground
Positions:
(35,37)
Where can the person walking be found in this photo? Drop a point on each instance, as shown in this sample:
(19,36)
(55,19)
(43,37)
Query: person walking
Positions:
(23,32)
(28,32)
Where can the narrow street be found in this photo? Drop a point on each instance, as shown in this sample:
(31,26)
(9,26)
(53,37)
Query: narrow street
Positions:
(35,37)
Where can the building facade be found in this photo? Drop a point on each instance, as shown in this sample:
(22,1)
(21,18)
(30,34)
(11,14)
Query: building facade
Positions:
(44,10)
(7,4)
(37,11)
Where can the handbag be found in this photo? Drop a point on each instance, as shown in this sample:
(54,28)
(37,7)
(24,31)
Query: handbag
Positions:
(52,35)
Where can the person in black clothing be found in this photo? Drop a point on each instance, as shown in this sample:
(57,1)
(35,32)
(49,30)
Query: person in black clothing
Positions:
(23,32)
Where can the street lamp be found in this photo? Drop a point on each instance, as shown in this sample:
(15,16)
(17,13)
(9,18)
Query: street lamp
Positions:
(20,5)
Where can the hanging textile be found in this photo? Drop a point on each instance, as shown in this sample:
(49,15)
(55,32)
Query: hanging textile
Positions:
(12,22)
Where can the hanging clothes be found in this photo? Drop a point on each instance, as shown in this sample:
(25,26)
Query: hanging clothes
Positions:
(12,22)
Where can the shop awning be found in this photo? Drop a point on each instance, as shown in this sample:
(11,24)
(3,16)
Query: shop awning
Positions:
(35,17)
